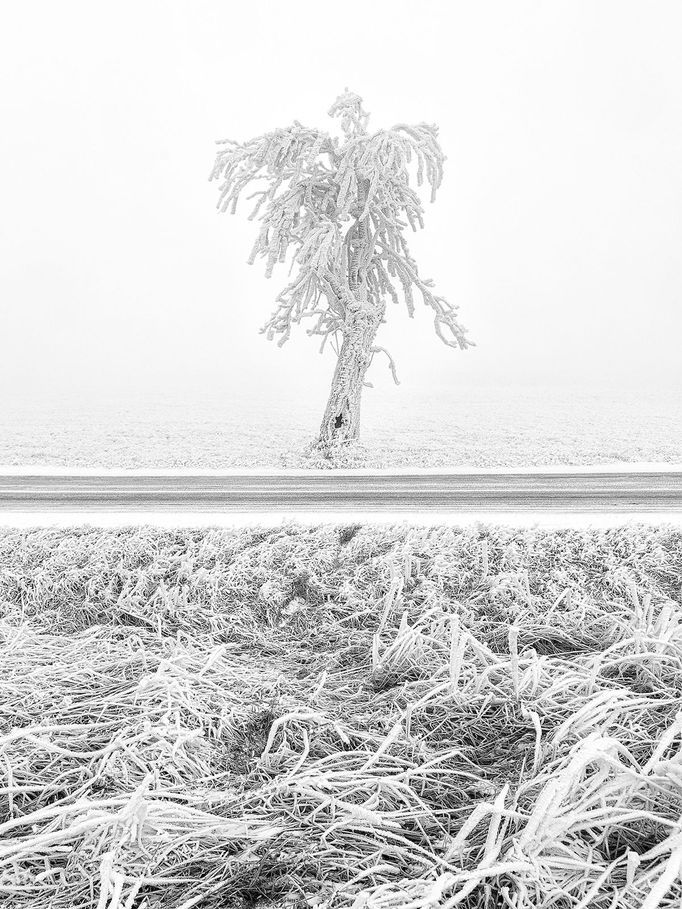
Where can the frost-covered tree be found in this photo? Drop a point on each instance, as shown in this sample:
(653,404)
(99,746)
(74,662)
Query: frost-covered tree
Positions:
(341,206)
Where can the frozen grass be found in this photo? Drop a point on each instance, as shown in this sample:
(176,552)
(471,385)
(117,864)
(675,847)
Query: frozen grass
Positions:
(341,716)
(464,427)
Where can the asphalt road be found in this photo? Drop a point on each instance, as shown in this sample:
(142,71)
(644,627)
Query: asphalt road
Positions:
(331,492)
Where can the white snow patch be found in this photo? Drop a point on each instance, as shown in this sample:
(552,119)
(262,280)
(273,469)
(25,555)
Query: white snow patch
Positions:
(41,470)
(268,519)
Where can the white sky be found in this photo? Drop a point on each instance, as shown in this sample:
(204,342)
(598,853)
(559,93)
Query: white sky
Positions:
(558,228)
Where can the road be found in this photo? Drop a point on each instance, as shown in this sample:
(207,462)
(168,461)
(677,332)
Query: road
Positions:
(587,492)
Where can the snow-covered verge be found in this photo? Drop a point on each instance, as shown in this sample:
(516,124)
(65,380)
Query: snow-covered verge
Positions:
(47,470)
(203,519)
(465,427)
(341,716)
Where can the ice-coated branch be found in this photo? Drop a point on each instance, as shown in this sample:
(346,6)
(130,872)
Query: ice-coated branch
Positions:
(391,363)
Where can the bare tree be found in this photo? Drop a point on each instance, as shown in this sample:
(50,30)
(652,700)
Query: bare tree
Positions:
(339,204)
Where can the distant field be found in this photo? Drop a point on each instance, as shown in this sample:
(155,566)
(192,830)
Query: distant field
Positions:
(477,427)
(341,717)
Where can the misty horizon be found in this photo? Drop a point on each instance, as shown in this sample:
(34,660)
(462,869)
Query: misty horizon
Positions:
(556,230)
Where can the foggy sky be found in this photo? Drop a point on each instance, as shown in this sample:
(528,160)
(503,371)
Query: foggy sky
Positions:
(557,230)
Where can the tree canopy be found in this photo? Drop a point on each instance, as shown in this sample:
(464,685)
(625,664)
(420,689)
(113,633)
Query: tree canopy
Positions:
(340,206)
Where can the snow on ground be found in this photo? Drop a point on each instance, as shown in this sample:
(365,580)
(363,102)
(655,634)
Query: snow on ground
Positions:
(465,427)
(45,470)
(269,519)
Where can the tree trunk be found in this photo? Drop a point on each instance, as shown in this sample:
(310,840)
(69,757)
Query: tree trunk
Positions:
(341,422)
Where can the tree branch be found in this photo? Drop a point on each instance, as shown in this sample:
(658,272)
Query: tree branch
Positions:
(391,363)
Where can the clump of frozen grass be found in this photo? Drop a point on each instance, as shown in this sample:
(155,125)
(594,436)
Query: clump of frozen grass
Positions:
(336,456)
(341,716)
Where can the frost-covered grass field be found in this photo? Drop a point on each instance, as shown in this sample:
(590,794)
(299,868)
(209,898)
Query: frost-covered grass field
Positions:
(465,427)
(341,716)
